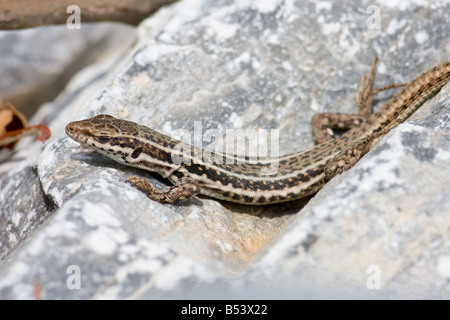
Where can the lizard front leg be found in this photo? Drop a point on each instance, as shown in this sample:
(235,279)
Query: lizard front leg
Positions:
(186,189)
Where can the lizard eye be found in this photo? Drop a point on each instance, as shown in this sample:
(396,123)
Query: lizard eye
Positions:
(103,139)
(136,152)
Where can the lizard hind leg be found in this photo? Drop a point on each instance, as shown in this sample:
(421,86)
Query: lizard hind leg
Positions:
(347,158)
(183,191)
(324,123)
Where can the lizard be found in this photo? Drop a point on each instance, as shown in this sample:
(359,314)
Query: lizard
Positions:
(298,175)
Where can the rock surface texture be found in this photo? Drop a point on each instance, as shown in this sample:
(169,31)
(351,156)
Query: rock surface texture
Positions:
(70,227)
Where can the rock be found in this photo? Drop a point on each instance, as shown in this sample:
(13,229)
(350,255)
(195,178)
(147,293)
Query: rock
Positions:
(24,203)
(378,230)
(386,219)
(32,74)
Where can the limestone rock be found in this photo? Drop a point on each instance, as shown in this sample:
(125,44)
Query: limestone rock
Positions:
(258,65)
(37,63)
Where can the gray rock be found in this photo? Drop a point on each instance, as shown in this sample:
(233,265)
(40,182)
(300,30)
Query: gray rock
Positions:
(246,65)
(37,63)
(24,203)
(386,216)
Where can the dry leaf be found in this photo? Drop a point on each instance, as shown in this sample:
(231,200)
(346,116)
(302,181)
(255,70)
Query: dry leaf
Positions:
(13,126)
